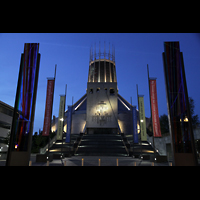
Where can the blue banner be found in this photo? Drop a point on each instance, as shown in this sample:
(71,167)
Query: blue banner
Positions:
(69,120)
(135,135)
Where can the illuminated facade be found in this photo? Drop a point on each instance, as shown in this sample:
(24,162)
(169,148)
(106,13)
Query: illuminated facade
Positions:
(101,110)
(102,104)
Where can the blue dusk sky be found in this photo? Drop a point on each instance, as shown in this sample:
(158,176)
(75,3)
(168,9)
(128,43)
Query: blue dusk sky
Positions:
(70,51)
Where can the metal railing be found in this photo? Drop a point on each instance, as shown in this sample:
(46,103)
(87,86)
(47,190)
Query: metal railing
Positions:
(45,148)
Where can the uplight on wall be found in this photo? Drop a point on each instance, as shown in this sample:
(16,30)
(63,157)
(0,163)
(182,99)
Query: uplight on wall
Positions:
(138,128)
(185,119)
(53,128)
(65,128)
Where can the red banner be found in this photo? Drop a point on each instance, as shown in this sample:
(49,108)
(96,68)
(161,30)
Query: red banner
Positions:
(48,108)
(154,108)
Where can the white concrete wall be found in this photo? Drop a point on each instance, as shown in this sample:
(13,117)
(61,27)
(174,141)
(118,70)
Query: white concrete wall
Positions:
(4,132)
(125,123)
(160,143)
(196,133)
(7,119)
(110,110)
(78,123)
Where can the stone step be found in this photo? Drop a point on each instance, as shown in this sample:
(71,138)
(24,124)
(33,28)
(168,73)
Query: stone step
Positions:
(102,145)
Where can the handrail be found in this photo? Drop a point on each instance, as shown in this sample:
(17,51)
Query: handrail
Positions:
(159,151)
(125,145)
(45,148)
(78,143)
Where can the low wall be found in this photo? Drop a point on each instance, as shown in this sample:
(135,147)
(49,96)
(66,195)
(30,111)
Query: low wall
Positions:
(160,143)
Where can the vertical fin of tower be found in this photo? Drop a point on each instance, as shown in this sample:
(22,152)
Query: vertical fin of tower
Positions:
(115,75)
(99,61)
(104,61)
(109,52)
(94,61)
(102,65)
(110,65)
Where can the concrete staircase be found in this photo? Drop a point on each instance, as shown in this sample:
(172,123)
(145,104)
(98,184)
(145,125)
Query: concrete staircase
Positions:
(101,145)
(143,148)
(61,147)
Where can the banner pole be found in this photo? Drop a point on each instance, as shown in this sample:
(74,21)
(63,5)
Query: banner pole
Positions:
(51,109)
(151,114)
(139,122)
(55,73)
(71,117)
(132,120)
(62,154)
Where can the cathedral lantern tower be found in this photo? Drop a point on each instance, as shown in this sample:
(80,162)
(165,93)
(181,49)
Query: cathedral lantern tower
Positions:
(102,93)
(102,66)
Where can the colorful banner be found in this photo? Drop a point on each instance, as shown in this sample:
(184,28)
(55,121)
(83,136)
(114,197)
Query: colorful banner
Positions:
(143,131)
(135,134)
(69,122)
(61,118)
(48,107)
(154,108)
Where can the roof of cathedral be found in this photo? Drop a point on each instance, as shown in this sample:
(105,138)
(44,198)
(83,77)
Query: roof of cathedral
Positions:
(80,105)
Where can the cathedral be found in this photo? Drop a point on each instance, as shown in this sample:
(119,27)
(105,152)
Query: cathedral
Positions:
(102,110)
(101,122)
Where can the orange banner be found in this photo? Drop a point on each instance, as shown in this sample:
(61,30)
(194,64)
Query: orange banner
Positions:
(154,108)
(48,108)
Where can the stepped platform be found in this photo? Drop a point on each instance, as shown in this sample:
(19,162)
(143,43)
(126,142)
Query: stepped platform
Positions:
(61,147)
(101,145)
(142,148)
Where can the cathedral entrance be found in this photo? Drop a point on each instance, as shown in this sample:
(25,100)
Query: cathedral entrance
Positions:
(102,131)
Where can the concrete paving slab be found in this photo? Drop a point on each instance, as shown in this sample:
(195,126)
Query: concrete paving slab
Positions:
(94,161)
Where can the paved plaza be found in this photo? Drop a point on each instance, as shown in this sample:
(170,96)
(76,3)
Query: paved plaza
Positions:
(95,161)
